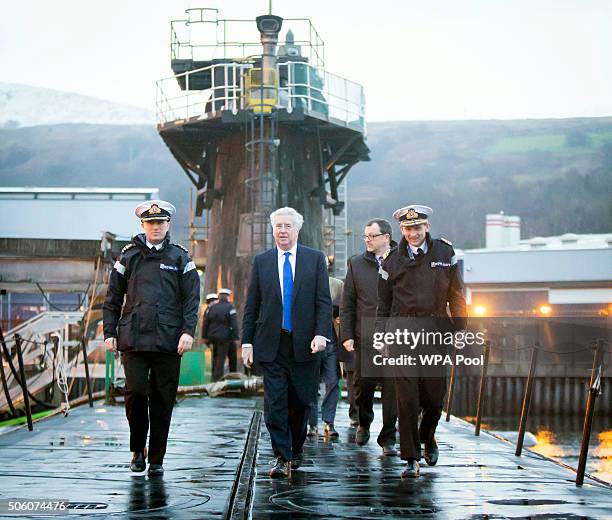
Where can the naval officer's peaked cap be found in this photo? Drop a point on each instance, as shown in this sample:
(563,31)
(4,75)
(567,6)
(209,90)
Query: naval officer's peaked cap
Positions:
(225,291)
(155,210)
(412,215)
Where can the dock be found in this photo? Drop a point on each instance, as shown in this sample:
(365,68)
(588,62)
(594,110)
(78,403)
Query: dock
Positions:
(218,461)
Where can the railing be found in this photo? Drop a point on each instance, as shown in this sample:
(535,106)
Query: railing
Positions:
(600,347)
(203,36)
(319,93)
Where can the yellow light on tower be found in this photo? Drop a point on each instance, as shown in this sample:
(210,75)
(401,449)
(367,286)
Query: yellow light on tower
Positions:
(545,310)
(480,310)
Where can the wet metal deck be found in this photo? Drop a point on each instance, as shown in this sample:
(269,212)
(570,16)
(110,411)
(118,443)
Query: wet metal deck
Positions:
(84,458)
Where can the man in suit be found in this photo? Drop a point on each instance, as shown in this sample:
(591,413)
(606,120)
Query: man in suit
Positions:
(286,325)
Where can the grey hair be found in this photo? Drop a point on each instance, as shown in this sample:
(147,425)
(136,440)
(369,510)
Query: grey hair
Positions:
(298,219)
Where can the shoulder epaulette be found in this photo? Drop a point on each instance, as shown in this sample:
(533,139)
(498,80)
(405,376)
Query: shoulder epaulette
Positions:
(129,246)
(387,253)
(446,241)
(181,247)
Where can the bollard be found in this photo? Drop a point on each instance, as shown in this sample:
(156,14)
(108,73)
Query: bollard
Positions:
(526,402)
(594,391)
(24,383)
(87,378)
(481,390)
(451,389)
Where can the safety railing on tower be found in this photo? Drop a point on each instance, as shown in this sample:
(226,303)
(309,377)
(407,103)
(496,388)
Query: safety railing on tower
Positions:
(319,93)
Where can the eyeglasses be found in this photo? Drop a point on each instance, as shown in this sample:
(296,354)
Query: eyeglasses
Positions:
(371,237)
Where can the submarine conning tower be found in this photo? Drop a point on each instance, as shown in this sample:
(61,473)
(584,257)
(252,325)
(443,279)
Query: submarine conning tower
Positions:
(256,122)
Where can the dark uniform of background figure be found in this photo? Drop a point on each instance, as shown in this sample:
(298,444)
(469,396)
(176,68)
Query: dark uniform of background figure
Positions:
(221,330)
(421,286)
(358,311)
(211,299)
(162,296)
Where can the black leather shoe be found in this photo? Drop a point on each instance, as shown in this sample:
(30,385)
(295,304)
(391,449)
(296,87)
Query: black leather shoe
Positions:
(431,452)
(389,450)
(281,468)
(155,470)
(330,431)
(296,461)
(362,436)
(138,464)
(411,470)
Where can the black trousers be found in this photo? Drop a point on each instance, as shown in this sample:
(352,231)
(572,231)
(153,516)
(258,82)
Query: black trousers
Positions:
(414,394)
(364,399)
(151,381)
(289,390)
(221,351)
(350,391)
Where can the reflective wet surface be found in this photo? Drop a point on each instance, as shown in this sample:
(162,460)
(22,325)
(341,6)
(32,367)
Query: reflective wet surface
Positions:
(84,458)
(476,477)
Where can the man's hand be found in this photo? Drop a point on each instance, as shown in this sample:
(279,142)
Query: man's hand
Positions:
(185,343)
(318,344)
(111,344)
(349,345)
(247,354)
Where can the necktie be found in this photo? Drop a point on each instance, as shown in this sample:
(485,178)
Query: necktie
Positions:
(419,252)
(379,259)
(287,292)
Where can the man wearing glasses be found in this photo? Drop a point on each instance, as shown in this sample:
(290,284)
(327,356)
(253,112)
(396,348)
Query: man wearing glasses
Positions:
(359,301)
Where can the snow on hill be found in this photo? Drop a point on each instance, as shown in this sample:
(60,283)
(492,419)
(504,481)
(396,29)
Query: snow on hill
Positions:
(23,105)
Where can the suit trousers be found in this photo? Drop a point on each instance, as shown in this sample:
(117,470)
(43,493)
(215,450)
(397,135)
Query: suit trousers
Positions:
(289,389)
(350,392)
(151,381)
(330,375)
(414,394)
(223,350)
(364,400)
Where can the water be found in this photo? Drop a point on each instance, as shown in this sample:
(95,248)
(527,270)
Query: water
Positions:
(560,438)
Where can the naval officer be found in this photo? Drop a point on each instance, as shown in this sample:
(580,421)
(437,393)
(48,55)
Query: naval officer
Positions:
(420,281)
(152,328)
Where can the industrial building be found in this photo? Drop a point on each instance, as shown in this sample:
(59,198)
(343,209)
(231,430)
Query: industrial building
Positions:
(568,274)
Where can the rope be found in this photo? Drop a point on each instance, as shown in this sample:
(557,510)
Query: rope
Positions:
(44,404)
(542,349)
(62,376)
(55,307)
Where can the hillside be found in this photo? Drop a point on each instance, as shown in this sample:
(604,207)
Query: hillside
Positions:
(555,174)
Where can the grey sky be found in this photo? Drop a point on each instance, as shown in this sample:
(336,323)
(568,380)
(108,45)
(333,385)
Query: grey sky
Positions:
(433,59)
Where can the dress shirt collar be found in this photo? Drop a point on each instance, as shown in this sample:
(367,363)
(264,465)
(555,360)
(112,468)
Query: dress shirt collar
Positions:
(281,253)
(156,246)
(423,247)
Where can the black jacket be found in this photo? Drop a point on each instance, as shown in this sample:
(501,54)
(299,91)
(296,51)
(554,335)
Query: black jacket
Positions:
(311,310)
(410,286)
(162,296)
(359,298)
(220,322)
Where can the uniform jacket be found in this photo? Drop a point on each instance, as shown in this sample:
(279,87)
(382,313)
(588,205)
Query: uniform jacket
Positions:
(410,286)
(220,322)
(360,297)
(162,296)
(311,310)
